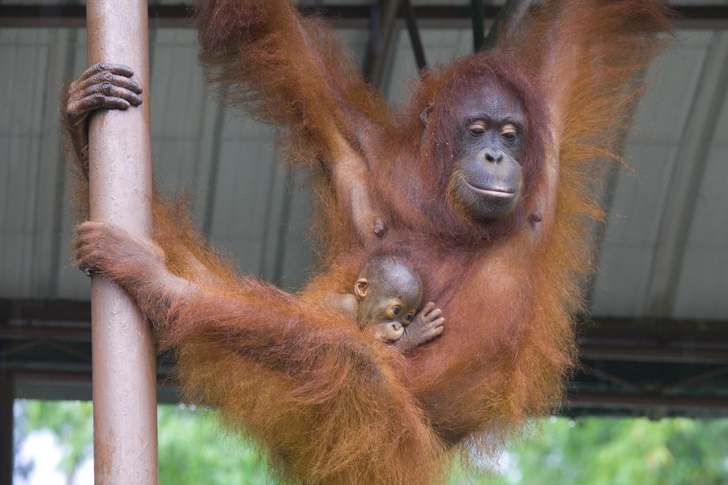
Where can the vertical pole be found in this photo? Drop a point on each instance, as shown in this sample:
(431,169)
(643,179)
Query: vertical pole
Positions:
(120,189)
(382,18)
(478,30)
(414,33)
(7,397)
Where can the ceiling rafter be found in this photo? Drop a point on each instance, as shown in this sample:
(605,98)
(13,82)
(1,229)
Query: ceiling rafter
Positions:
(344,16)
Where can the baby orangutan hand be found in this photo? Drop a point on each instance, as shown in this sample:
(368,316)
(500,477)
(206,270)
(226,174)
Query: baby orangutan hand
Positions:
(427,324)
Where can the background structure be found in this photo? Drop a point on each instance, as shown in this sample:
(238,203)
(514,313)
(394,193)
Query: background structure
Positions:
(657,340)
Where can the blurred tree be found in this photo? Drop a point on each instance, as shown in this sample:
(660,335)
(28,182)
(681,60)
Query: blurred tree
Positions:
(72,425)
(22,466)
(194,450)
(608,451)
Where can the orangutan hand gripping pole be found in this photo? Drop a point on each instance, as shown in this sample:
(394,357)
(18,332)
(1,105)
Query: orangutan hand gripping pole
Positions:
(480,182)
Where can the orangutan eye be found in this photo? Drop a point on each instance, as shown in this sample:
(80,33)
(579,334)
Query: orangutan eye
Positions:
(395,310)
(408,318)
(509,132)
(476,129)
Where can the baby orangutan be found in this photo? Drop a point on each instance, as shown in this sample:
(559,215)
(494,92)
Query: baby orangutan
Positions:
(386,296)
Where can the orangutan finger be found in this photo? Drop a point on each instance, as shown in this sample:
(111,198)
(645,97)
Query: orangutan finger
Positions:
(433,314)
(103,78)
(437,323)
(110,90)
(101,67)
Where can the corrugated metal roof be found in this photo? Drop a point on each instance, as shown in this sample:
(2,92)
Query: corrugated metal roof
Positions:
(656,151)
(242,193)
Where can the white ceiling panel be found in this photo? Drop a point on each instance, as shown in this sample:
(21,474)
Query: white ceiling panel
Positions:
(703,289)
(662,113)
(34,63)
(630,237)
(620,289)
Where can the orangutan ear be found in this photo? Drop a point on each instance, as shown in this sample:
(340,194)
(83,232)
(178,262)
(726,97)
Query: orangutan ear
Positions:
(425,115)
(361,287)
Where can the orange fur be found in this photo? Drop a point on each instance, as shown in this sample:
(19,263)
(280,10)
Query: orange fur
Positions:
(329,405)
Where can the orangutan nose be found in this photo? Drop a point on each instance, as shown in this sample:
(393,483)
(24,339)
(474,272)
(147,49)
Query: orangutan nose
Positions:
(493,155)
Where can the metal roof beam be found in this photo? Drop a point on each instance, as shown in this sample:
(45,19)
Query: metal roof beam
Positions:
(591,401)
(646,401)
(45,310)
(708,17)
(681,354)
(595,328)
(669,341)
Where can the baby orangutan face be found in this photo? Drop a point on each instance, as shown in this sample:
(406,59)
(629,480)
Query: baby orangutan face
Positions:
(389,293)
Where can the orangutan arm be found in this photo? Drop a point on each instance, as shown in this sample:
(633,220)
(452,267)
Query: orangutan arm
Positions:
(109,86)
(277,325)
(290,71)
(590,58)
(303,380)
(286,70)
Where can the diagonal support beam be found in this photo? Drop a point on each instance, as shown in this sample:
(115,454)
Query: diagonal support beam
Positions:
(704,376)
(381,28)
(508,18)
(609,377)
(414,33)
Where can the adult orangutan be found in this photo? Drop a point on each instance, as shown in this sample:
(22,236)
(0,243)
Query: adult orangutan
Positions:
(481,182)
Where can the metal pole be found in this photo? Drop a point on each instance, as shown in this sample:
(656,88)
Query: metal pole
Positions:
(380,38)
(124,375)
(7,396)
(478,30)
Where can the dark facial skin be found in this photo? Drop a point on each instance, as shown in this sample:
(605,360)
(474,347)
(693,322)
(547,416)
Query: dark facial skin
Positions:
(487,178)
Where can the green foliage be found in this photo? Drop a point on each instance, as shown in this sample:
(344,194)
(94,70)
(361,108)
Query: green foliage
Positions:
(608,451)
(194,450)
